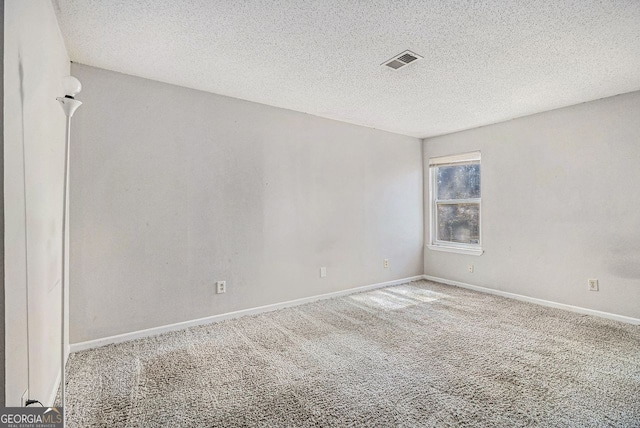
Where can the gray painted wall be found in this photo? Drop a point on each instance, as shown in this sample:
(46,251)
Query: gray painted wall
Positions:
(173,189)
(559,205)
(35,60)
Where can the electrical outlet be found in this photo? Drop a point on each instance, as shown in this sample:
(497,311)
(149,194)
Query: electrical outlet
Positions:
(385,263)
(593,285)
(323,272)
(470,268)
(221,287)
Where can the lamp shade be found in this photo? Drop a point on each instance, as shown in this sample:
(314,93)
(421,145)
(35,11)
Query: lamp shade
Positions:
(71,86)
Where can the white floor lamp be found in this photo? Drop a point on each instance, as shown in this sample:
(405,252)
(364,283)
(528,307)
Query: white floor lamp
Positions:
(72,87)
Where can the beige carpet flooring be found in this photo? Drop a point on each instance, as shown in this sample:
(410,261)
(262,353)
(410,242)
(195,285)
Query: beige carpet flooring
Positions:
(414,355)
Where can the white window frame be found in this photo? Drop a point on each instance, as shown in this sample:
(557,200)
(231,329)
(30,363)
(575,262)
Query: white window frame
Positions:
(452,247)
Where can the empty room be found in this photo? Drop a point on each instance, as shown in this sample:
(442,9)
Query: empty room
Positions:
(320,213)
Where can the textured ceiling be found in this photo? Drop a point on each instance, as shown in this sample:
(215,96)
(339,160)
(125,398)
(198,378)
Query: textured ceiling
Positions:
(484,61)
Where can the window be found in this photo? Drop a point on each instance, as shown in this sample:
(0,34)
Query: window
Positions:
(454,190)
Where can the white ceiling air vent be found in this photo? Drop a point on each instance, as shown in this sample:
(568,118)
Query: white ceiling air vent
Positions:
(402,59)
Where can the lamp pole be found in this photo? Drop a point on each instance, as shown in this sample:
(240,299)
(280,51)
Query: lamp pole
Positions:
(69,105)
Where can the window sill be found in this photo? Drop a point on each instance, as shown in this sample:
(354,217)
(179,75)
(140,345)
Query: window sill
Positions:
(468,251)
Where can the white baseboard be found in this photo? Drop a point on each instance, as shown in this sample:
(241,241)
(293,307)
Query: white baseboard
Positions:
(90,344)
(578,309)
